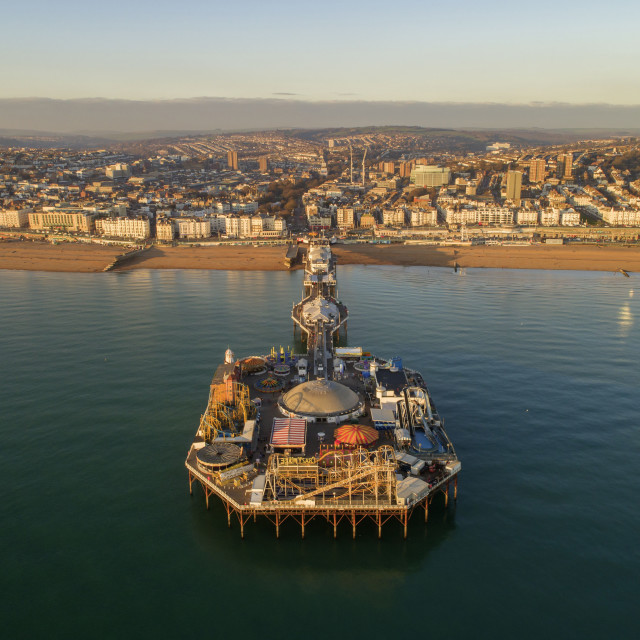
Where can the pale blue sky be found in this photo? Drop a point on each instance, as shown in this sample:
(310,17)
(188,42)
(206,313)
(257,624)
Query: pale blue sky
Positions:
(491,51)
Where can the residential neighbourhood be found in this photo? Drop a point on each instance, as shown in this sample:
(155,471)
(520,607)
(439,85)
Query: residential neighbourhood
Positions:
(270,186)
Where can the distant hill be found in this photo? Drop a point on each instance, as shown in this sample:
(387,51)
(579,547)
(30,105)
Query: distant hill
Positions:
(439,138)
(105,118)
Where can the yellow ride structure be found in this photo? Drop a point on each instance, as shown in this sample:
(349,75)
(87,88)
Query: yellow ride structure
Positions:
(357,477)
(228,408)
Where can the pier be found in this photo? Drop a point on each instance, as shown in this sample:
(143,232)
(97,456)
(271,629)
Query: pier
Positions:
(335,434)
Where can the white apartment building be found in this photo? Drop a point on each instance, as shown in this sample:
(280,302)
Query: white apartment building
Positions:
(460,216)
(422,217)
(218,224)
(527,216)
(193,227)
(393,217)
(14,218)
(165,230)
(123,227)
(569,218)
(495,215)
(549,217)
(621,217)
(345,218)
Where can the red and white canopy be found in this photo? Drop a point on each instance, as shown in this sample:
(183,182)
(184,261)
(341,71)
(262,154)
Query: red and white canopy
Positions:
(288,432)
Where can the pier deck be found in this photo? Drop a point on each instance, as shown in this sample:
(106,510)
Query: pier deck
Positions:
(235,496)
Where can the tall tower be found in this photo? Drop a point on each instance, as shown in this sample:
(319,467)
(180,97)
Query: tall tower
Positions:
(263,164)
(232,160)
(537,170)
(514,185)
(363,165)
(351,164)
(565,165)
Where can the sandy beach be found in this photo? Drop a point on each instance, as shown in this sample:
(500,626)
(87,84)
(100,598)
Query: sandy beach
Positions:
(41,256)
(90,258)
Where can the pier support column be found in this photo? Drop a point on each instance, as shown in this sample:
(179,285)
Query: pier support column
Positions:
(446,495)
(206,496)
(406,520)
(455,489)
(190,484)
(379,525)
(241,526)
(277,524)
(335,525)
(426,509)
(353,520)
(228,515)
(302,522)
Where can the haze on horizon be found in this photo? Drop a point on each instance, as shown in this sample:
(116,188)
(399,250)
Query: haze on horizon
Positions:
(489,64)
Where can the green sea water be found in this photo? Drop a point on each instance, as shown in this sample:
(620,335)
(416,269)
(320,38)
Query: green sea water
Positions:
(102,381)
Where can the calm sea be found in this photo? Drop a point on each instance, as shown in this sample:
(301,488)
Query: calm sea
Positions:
(102,381)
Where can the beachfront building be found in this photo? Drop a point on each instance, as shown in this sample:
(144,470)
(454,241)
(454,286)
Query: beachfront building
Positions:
(14,218)
(549,217)
(367,220)
(569,218)
(51,218)
(621,217)
(483,214)
(393,217)
(527,217)
(122,227)
(459,215)
(267,226)
(165,230)
(345,218)
(238,226)
(495,215)
(322,221)
(193,228)
(423,216)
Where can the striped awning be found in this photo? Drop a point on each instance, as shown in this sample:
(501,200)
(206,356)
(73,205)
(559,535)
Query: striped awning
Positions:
(288,432)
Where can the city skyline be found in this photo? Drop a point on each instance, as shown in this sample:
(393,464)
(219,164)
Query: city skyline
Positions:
(343,52)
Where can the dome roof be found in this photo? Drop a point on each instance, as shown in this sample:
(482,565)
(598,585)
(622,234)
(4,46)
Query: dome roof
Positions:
(320,398)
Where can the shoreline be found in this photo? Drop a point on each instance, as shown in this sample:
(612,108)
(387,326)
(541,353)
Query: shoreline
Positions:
(75,258)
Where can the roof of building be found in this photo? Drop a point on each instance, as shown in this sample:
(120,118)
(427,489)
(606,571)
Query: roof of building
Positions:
(320,398)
